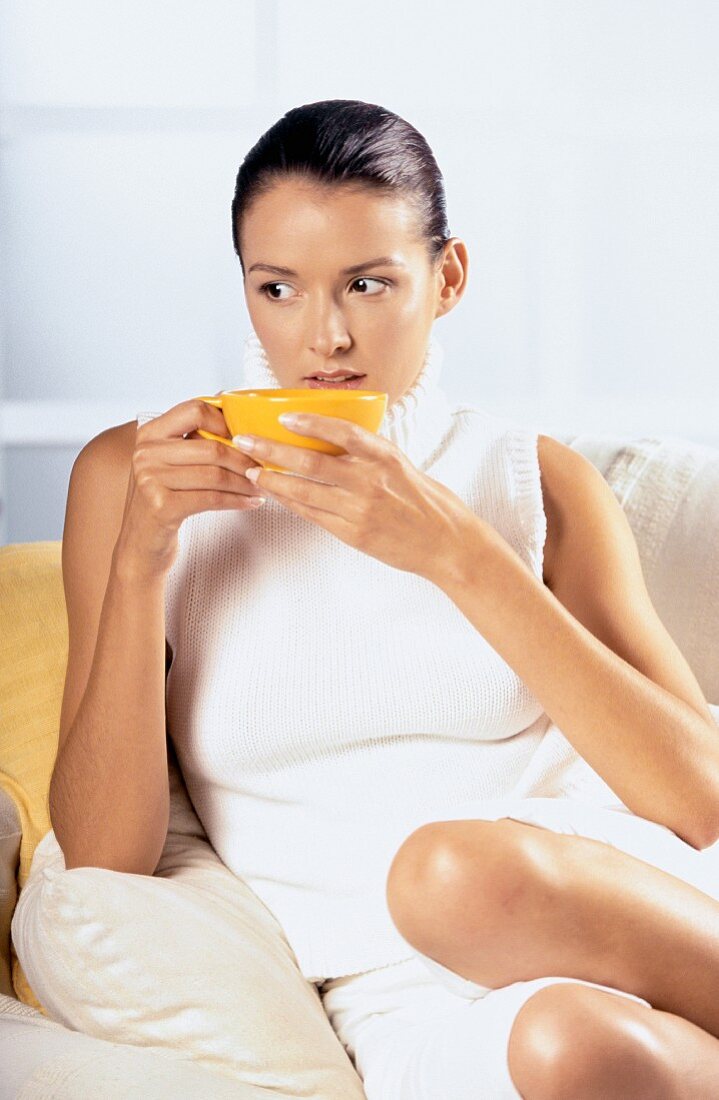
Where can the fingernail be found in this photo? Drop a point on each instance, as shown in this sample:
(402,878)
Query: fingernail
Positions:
(253,473)
(255,502)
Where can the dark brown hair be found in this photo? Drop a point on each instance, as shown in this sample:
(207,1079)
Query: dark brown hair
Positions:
(346,141)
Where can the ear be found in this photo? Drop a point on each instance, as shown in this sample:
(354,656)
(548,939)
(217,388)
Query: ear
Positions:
(452,275)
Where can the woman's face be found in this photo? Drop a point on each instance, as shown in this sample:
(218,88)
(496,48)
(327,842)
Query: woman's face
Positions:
(311,313)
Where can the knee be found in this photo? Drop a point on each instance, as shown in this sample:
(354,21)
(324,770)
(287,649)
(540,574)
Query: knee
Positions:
(453,879)
(573,1040)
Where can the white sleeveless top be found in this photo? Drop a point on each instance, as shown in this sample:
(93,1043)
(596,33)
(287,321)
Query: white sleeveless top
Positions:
(324,704)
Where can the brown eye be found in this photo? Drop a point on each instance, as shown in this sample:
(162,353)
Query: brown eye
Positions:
(266,286)
(364,279)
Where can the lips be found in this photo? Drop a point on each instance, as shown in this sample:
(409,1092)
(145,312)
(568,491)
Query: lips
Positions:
(320,383)
(331,375)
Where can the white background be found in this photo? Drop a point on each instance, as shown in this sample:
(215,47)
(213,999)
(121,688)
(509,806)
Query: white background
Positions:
(579,142)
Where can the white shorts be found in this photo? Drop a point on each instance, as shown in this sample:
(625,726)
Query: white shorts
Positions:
(416,1030)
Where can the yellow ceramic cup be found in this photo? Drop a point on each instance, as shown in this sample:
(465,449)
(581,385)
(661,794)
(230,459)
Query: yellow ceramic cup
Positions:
(256,412)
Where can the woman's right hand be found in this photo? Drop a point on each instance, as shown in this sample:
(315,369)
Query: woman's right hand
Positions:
(176,473)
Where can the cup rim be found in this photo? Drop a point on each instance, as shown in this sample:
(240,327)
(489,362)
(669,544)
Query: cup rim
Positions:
(283,394)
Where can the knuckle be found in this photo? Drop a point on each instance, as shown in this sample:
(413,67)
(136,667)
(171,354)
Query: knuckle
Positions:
(157,497)
(309,463)
(144,478)
(385,469)
(139,455)
(228,479)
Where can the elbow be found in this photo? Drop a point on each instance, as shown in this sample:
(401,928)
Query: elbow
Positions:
(708,838)
(703,844)
(704,834)
(703,823)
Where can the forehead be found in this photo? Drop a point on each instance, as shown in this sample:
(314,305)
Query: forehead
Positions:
(295,215)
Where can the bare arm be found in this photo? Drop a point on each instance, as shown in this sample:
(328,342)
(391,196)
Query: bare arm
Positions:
(130,490)
(109,793)
(592,649)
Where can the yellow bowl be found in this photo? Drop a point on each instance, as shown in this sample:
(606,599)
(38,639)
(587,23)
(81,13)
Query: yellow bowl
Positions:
(256,412)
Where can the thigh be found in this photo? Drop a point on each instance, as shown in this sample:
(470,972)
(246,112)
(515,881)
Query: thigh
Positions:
(414,1033)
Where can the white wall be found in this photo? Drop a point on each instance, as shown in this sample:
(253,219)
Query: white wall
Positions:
(580,148)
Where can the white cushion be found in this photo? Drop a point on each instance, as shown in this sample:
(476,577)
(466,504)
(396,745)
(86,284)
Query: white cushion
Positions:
(42,1058)
(669,490)
(189,960)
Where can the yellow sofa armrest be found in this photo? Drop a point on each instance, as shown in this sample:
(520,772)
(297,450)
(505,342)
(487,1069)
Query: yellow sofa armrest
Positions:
(33,661)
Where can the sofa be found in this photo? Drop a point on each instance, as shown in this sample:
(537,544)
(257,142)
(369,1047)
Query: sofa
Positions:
(165,1040)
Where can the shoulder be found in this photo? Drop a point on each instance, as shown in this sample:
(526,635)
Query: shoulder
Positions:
(101,470)
(111,446)
(579,505)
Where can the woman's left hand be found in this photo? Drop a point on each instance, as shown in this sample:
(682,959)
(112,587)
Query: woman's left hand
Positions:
(371,498)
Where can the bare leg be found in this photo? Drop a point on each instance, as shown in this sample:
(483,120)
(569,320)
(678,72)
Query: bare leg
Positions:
(578,1042)
(562,905)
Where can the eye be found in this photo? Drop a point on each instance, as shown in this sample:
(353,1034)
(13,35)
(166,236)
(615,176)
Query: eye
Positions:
(366,279)
(265,286)
(363,279)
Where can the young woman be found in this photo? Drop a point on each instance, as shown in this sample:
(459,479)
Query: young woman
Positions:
(420,697)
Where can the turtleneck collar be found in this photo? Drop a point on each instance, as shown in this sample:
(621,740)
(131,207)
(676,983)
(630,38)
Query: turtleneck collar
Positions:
(416,422)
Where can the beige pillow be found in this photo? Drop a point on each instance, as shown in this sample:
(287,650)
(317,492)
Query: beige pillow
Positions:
(187,960)
(669,490)
(47,1061)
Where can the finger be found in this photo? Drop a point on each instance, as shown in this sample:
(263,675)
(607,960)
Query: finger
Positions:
(297,491)
(329,469)
(206,451)
(207,477)
(185,502)
(298,460)
(334,429)
(184,418)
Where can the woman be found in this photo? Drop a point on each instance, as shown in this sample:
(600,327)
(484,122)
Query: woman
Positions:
(403,681)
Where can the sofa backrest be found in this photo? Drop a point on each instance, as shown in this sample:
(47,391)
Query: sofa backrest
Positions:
(669,490)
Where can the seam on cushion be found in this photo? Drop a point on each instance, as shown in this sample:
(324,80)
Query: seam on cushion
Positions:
(62,1070)
(529,518)
(628,464)
(21,1011)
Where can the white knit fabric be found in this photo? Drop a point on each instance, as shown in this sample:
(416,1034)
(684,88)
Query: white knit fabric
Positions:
(324,704)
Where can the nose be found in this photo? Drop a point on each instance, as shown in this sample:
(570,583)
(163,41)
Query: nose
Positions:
(328,334)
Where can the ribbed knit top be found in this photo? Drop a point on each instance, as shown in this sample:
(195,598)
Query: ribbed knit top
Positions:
(323,704)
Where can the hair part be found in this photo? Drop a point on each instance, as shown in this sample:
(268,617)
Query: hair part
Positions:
(346,142)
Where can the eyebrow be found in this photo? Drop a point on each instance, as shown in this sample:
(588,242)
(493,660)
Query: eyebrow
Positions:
(380,261)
